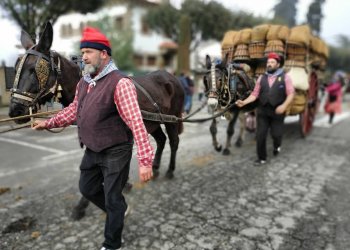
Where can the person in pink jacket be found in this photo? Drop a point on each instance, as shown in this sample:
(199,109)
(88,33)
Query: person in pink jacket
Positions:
(334,99)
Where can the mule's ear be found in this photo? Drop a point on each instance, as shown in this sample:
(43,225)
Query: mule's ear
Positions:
(224,62)
(207,62)
(26,40)
(205,82)
(46,38)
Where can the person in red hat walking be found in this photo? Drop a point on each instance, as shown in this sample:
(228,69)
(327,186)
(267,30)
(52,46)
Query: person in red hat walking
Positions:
(275,92)
(109,119)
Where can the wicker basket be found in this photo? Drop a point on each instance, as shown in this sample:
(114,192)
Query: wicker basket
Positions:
(294,64)
(276,46)
(277,32)
(256,49)
(296,52)
(241,52)
(259,33)
(260,69)
(229,51)
(300,35)
(228,38)
(243,37)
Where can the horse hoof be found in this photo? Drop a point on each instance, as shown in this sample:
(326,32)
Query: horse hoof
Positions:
(155,173)
(169,175)
(78,215)
(239,143)
(218,148)
(226,152)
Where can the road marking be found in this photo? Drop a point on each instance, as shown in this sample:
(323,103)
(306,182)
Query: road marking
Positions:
(31,145)
(320,121)
(51,157)
(323,121)
(58,138)
(43,164)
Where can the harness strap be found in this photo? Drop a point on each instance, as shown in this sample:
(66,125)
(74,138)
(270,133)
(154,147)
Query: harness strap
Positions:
(23,97)
(38,54)
(158,117)
(19,70)
(144,91)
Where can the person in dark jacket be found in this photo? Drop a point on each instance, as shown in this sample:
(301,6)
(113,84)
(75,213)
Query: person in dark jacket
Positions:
(275,92)
(109,119)
(188,85)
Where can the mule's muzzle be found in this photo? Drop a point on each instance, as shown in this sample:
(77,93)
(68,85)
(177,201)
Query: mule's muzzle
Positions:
(212,103)
(17,110)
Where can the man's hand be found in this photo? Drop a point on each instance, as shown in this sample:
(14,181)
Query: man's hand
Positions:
(240,103)
(281,109)
(146,173)
(39,125)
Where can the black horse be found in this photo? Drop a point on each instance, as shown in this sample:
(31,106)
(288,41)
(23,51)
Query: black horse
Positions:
(42,74)
(225,83)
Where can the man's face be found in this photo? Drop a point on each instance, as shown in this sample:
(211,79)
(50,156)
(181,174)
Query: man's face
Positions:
(92,59)
(272,65)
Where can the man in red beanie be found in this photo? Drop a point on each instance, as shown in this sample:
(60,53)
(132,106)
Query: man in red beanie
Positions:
(275,92)
(109,119)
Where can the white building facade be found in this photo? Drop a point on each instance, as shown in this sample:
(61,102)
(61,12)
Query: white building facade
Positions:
(151,51)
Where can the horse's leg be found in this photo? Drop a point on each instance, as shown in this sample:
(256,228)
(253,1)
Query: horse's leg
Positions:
(173,135)
(160,139)
(230,131)
(79,210)
(213,132)
(242,125)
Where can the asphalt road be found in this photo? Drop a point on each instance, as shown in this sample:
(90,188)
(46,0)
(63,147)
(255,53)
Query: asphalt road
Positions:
(299,200)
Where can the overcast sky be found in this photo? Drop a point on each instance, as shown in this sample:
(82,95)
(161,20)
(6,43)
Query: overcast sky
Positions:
(335,20)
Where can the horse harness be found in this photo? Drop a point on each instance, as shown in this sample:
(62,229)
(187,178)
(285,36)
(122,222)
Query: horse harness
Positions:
(42,72)
(228,90)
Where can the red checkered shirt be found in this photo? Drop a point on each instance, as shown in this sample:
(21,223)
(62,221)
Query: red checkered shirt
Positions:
(125,98)
(271,80)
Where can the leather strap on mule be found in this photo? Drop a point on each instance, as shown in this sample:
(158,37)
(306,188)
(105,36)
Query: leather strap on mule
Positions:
(149,97)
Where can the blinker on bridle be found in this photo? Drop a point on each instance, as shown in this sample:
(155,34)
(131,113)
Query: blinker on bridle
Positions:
(214,91)
(42,72)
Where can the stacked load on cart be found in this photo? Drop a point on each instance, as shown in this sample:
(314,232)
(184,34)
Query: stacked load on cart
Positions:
(301,51)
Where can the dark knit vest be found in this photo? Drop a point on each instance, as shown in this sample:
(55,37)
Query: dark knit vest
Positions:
(274,95)
(99,123)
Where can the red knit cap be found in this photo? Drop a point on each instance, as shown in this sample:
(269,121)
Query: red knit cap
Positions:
(93,38)
(273,55)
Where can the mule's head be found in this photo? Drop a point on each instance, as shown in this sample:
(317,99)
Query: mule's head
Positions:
(240,84)
(215,81)
(34,74)
(225,83)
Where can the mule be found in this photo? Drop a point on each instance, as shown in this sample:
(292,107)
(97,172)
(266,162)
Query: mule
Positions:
(42,74)
(224,84)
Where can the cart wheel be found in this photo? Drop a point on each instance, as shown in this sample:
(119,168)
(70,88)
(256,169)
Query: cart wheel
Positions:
(308,116)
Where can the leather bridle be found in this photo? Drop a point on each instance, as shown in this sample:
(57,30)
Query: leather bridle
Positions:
(215,91)
(44,66)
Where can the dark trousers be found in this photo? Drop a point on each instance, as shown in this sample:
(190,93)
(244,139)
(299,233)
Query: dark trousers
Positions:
(268,119)
(102,178)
